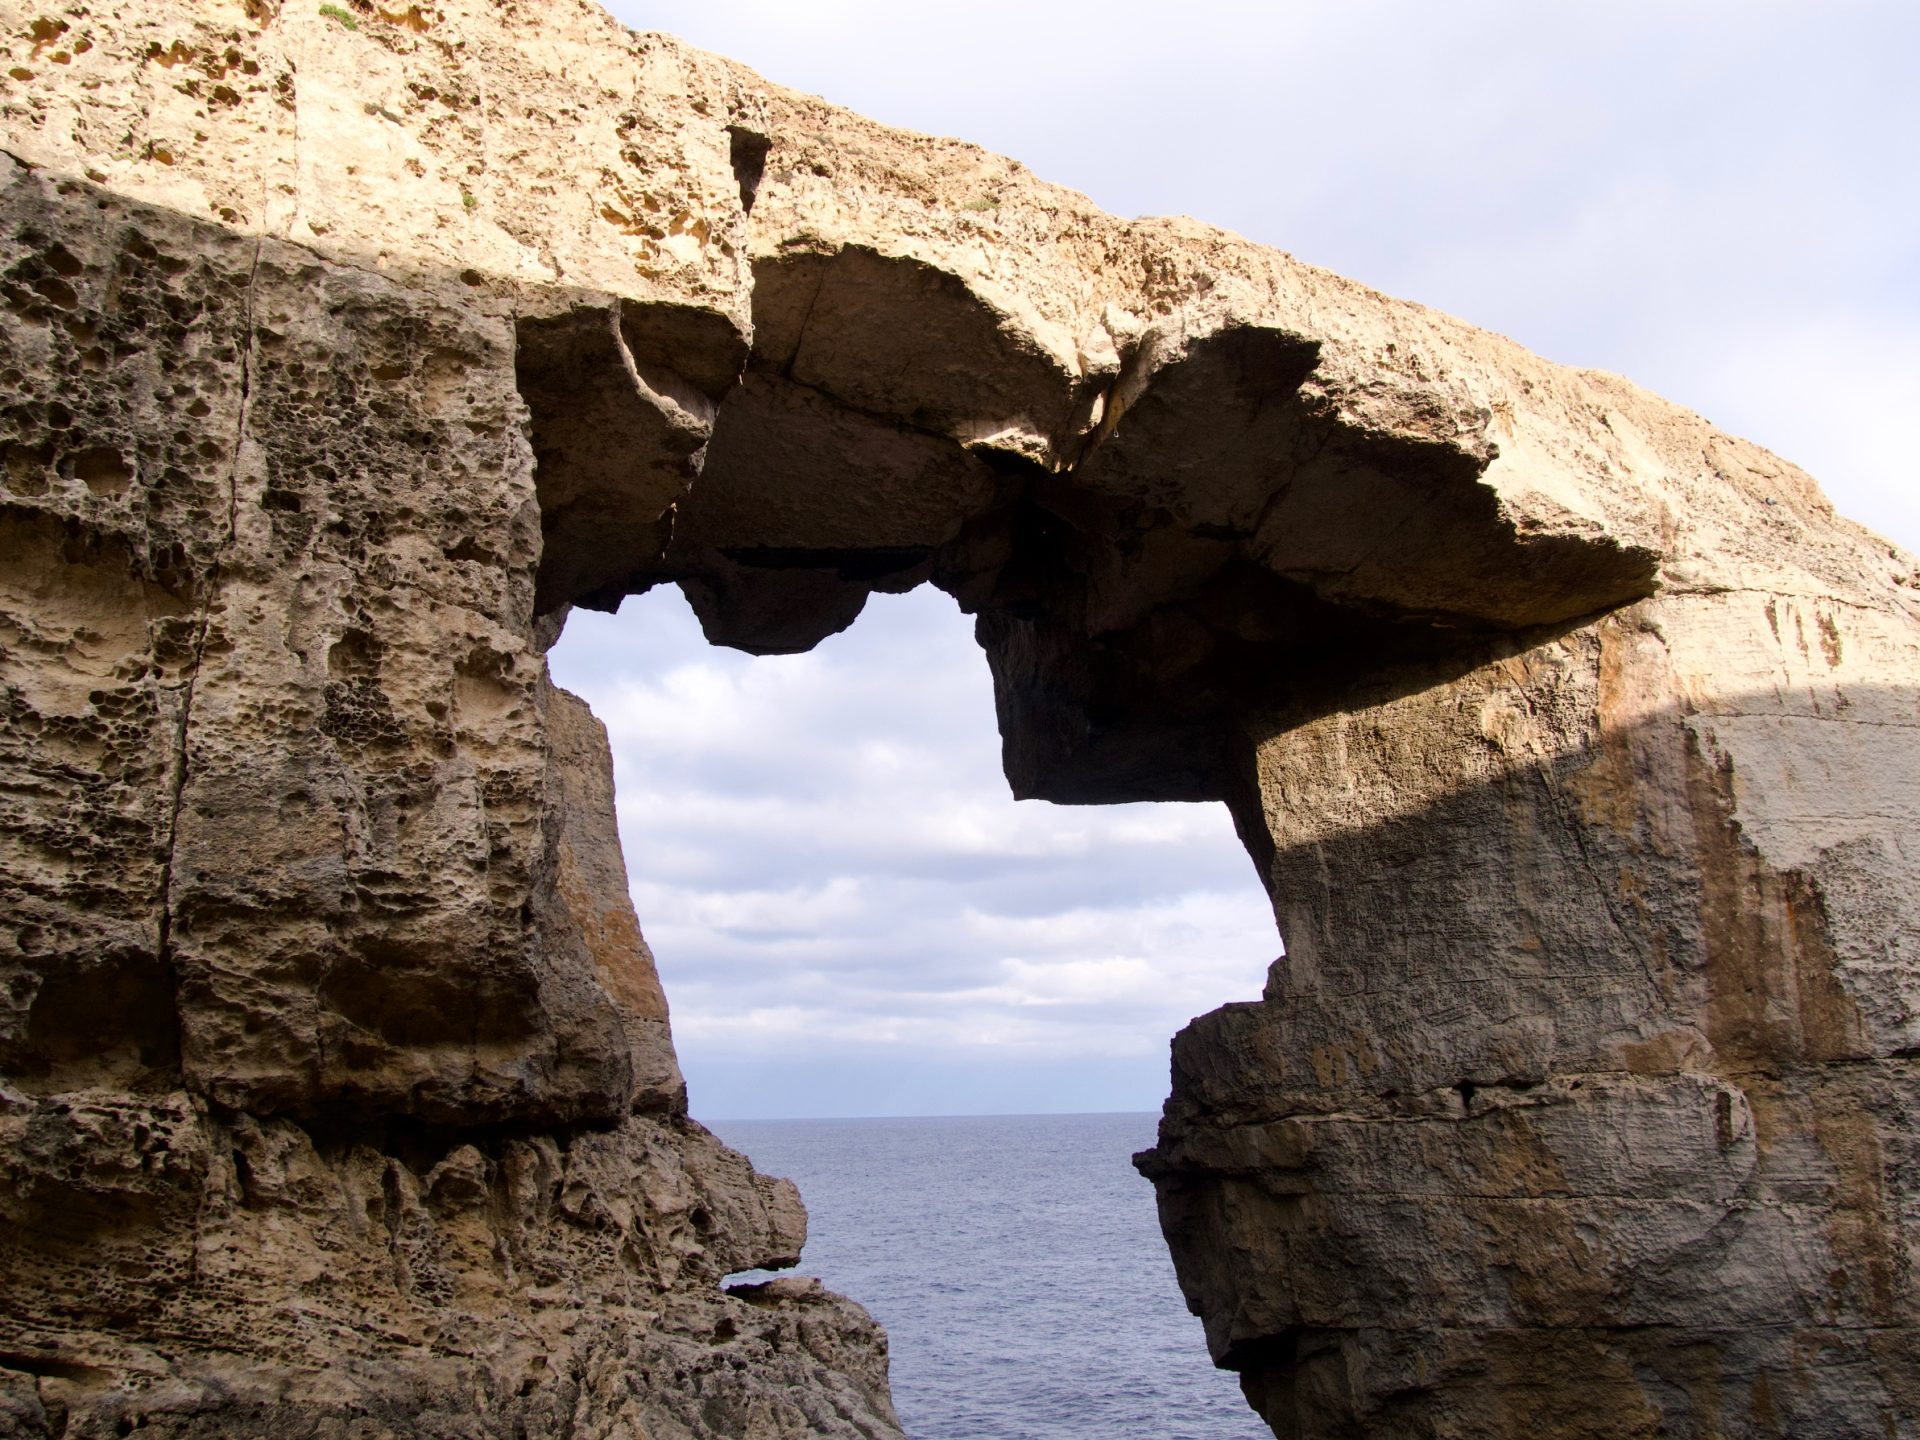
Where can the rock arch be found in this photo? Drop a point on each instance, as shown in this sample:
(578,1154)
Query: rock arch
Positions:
(1574,739)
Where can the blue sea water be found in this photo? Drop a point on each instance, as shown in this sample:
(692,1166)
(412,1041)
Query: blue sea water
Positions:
(1017,1265)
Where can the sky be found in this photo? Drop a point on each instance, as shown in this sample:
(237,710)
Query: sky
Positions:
(1718,200)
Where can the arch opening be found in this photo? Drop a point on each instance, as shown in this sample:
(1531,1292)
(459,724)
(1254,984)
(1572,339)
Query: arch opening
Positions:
(852,918)
(849,912)
(1163,544)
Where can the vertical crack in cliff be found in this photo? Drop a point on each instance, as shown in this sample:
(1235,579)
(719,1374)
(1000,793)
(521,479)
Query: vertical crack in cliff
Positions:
(176,782)
(1127,386)
(806,319)
(747,151)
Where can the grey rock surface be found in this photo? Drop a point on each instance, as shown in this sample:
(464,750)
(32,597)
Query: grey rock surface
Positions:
(347,348)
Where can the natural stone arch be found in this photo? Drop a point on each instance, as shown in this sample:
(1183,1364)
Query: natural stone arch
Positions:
(1137,584)
(1227,593)
(318,424)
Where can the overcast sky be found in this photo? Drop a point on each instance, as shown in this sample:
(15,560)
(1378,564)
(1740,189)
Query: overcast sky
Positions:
(1719,200)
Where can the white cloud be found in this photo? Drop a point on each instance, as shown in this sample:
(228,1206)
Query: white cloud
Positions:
(826,860)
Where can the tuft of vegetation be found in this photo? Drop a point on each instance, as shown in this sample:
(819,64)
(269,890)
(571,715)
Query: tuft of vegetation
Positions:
(466,199)
(345,17)
(983,202)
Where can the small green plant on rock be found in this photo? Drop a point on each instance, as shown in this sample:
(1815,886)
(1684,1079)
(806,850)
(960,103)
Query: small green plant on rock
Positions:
(345,17)
(984,202)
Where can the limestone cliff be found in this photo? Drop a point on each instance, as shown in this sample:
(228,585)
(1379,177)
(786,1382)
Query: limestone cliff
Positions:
(348,346)
(338,1093)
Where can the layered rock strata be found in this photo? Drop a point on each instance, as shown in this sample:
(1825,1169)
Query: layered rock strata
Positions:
(349,346)
(338,1092)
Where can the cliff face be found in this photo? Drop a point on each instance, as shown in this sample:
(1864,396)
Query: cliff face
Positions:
(338,1091)
(1583,1100)
(348,347)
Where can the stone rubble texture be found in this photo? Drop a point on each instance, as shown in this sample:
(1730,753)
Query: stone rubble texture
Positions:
(347,347)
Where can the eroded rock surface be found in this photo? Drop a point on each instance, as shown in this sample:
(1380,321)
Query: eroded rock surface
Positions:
(338,1092)
(348,347)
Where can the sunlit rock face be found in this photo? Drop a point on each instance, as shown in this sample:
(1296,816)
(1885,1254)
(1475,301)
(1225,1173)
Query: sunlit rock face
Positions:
(338,1094)
(348,347)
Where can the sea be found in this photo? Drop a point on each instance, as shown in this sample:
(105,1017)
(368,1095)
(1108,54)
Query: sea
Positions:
(1017,1265)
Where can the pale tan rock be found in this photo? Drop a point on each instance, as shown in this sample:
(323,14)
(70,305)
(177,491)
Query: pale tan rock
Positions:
(340,1078)
(591,881)
(347,348)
